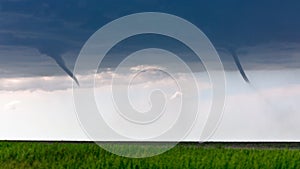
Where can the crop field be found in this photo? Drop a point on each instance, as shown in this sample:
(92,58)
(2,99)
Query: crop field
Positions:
(184,155)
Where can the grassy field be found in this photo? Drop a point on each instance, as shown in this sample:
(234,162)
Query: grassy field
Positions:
(209,155)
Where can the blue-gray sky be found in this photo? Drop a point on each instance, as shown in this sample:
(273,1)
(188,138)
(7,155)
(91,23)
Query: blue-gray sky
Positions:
(38,39)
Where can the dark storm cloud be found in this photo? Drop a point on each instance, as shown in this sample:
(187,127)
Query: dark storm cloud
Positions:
(55,28)
(39,33)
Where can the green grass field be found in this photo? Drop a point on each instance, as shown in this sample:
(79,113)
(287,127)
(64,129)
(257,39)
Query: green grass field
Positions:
(90,155)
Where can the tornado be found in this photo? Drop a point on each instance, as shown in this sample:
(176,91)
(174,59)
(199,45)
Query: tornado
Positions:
(239,65)
(61,63)
(55,52)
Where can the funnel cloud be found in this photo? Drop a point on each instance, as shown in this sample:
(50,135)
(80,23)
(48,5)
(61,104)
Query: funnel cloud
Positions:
(239,65)
(61,63)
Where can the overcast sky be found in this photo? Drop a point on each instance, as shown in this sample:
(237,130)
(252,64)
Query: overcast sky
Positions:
(40,42)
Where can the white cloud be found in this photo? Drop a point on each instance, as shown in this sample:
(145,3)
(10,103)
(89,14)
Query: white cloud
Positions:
(52,83)
(11,106)
(146,67)
(175,95)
